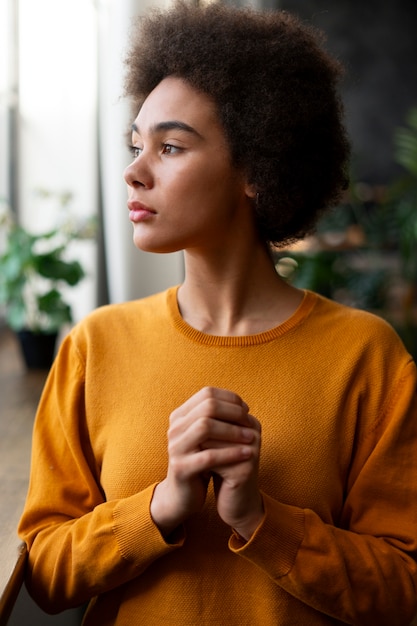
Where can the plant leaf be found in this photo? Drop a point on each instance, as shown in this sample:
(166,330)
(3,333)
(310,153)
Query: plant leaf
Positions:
(50,266)
(58,311)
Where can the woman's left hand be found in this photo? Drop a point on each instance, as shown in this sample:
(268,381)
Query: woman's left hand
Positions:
(238,498)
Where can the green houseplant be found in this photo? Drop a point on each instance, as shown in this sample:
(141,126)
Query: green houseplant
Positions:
(34,269)
(365,252)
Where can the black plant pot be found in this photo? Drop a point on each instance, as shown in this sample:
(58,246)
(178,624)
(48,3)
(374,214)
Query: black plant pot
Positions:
(38,349)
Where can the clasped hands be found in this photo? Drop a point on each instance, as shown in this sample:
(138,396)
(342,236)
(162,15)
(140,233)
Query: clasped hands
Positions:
(211,435)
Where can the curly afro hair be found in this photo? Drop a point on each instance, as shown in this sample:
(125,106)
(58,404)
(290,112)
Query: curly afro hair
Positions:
(275,88)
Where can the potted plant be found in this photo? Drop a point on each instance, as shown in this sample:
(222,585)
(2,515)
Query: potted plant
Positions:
(34,269)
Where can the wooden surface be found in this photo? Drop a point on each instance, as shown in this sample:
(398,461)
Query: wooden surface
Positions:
(19,394)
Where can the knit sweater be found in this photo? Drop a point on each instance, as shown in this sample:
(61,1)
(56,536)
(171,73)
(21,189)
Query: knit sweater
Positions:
(335,392)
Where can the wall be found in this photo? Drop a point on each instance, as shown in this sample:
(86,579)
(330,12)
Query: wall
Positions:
(130,273)
(57,130)
(4,77)
(377,43)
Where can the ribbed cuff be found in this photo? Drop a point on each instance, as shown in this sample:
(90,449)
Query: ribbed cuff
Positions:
(136,533)
(274,545)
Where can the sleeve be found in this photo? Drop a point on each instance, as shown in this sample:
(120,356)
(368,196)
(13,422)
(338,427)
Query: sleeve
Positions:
(79,545)
(362,571)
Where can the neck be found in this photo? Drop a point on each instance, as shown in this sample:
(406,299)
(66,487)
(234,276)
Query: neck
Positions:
(235,294)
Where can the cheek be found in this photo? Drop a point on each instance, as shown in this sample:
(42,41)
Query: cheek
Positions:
(186,194)
(209,180)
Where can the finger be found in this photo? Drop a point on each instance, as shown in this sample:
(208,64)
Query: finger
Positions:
(207,460)
(253,422)
(244,469)
(201,463)
(214,432)
(210,418)
(209,396)
(203,430)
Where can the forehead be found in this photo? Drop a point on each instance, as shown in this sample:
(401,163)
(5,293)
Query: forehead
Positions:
(175,99)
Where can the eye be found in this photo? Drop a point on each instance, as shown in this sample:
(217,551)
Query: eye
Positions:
(135,151)
(168,148)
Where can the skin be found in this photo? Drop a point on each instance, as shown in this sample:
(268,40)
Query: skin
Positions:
(185,194)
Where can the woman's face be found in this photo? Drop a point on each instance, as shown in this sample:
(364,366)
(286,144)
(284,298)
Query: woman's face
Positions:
(184,192)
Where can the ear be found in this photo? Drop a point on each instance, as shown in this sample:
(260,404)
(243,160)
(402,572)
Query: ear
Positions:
(250,190)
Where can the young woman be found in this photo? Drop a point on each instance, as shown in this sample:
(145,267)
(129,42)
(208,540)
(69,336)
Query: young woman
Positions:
(153,493)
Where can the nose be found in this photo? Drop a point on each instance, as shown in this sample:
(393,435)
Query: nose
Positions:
(138,174)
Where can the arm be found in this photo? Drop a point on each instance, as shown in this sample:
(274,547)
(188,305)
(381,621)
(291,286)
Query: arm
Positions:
(67,523)
(363,571)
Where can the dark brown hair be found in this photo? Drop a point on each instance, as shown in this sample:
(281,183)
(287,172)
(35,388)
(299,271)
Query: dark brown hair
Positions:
(275,88)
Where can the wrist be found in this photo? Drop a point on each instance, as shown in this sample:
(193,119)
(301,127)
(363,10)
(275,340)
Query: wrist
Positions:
(161,515)
(246,529)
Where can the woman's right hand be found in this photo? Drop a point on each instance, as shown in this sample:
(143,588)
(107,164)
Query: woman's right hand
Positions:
(211,414)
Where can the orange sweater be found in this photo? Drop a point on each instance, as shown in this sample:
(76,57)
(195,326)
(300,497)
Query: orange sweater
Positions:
(335,392)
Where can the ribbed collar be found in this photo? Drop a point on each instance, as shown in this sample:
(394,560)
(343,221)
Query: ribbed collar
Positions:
(298,316)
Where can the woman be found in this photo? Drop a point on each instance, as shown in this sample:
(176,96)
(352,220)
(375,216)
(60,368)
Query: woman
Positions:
(237,143)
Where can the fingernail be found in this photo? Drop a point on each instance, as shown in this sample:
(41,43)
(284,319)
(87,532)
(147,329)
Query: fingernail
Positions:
(247,434)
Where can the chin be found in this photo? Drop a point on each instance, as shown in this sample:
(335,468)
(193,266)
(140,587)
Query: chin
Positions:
(155,247)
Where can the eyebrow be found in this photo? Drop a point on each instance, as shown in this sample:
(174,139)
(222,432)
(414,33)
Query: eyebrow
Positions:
(169,125)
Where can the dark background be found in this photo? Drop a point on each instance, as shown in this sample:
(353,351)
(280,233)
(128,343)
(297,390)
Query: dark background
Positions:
(377,43)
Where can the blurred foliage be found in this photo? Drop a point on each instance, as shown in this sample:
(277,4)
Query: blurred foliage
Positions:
(364,253)
(34,267)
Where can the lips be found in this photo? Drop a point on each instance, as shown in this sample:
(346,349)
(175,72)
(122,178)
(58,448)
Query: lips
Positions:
(139,212)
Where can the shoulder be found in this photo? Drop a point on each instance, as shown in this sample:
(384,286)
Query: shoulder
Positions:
(120,324)
(354,324)
(363,353)
(358,340)
(125,312)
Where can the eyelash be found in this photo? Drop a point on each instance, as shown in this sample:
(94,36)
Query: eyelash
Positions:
(135,151)
(173,149)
